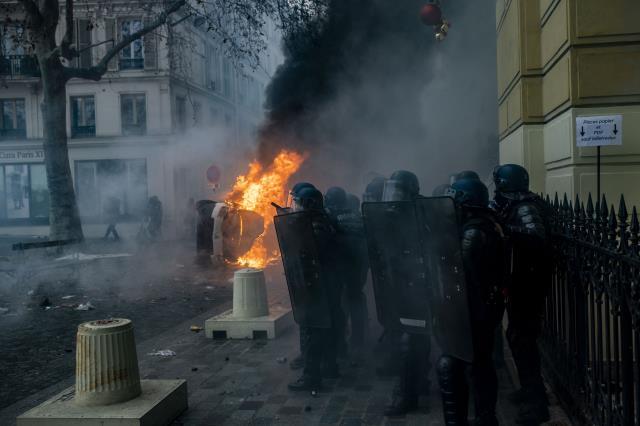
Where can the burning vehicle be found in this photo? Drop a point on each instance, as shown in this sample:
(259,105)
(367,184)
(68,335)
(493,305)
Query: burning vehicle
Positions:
(239,230)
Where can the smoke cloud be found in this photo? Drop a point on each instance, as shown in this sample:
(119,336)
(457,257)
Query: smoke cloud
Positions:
(374,92)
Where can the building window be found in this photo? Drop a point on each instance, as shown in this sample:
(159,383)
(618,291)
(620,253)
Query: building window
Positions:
(83,116)
(99,181)
(181,114)
(134,114)
(12,119)
(214,77)
(24,192)
(227,78)
(132,56)
(197,114)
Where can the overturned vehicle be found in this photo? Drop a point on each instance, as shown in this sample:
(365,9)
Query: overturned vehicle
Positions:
(224,233)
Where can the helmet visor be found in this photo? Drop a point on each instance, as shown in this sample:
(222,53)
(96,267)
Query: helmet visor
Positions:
(395,191)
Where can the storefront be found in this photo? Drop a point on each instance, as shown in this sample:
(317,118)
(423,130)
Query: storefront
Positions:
(24,198)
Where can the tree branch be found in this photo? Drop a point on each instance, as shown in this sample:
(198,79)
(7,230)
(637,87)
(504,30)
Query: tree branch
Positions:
(32,11)
(65,46)
(97,71)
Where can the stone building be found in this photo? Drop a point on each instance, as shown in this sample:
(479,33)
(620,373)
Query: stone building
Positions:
(559,60)
(127,132)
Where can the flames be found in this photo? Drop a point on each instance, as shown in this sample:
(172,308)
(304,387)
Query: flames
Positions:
(256,191)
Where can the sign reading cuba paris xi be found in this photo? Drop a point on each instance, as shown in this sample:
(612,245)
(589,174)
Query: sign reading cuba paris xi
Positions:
(599,130)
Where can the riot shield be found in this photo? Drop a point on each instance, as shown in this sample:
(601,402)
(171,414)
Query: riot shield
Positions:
(440,234)
(397,266)
(303,270)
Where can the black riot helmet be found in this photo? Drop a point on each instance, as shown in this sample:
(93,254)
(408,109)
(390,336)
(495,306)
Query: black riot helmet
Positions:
(470,193)
(308,199)
(511,178)
(353,203)
(465,174)
(335,198)
(441,190)
(373,191)
(401,186)
(297,188)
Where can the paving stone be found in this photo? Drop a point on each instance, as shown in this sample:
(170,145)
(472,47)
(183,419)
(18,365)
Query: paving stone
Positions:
(251,405)
(291,410)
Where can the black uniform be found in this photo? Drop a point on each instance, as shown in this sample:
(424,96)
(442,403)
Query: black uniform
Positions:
(482,248)
(523,215)
(320,343)
(355,266)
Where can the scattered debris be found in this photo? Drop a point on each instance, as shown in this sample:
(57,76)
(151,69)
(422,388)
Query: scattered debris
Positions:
(194,369)
(281,360)
(45,302)
(196,329)
(307,408)
(4,311)
(163,353)
(179,265)
(209,287)
(85,307)
(30,293)
(314,393)
(226,358)
(71,296)
(83,256)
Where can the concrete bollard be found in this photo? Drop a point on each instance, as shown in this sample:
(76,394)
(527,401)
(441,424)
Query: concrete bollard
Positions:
(106,363)
(249,294)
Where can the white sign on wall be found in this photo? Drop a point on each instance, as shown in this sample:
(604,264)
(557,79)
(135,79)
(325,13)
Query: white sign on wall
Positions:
(599,130)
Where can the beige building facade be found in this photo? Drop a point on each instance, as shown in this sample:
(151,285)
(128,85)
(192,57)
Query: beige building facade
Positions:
(563,59)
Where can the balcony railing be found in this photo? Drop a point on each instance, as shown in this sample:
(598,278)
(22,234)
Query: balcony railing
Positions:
(12,134)
(131,63)
(83,131)
(16,66)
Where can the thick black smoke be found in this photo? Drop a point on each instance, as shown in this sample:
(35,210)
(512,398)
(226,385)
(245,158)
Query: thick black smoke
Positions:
(368,94)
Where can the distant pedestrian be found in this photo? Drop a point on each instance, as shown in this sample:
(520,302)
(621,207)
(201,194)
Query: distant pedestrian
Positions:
(189,219)
(111,214)
(151,227)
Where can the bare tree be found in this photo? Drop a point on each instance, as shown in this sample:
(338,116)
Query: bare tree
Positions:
(237,23)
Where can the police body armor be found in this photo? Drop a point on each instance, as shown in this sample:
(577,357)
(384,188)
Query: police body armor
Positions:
(398,267)
(352,236)
(308,276)
(440,233)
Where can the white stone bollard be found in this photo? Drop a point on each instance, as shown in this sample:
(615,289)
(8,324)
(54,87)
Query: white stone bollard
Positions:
(249,294)
(106,363)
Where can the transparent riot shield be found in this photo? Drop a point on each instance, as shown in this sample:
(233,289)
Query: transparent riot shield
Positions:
(398,268)
(303,270)
(440,233)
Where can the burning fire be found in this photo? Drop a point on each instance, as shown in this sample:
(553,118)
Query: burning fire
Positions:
(255,191)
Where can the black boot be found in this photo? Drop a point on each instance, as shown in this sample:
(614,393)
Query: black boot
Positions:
(532,414)
(454,390)
(305,383)
(401,405)
(297,363)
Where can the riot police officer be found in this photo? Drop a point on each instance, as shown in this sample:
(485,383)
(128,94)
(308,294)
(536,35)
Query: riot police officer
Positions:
(319,346)
(465,174)
(415,349)
(298,362)
(374,189)
(523,215)
(482,258)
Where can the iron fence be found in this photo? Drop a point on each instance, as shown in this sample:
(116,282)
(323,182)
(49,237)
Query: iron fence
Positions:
(591,334)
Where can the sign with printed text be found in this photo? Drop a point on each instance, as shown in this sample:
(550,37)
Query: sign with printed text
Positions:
(601,130)
(22,156)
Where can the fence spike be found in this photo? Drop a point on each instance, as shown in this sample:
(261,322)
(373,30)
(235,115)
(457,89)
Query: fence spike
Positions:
(577,204)
(556,203)
(604,206)
(622,210)
(634,230)
(590,207)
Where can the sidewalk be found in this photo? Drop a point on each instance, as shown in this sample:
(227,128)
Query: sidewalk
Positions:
(245,383)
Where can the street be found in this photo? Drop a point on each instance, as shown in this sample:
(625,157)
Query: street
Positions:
(156,289)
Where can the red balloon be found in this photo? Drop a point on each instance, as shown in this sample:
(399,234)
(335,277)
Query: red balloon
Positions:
(431,14)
